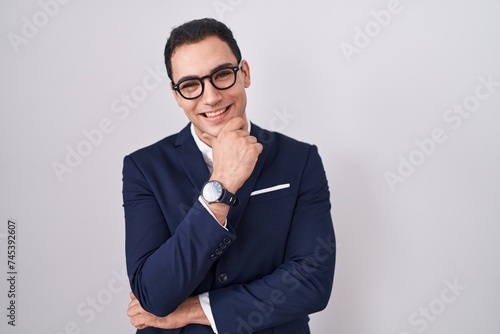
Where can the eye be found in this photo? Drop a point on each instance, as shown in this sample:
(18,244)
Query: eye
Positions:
(223,74)
(189,85)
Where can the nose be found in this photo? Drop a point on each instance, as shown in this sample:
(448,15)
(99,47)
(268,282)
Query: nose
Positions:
(211,95)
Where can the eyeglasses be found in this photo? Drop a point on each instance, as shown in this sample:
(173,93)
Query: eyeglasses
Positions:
(221,78)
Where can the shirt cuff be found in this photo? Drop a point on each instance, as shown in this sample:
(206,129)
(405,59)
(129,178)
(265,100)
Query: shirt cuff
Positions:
(205,305)
(211,213)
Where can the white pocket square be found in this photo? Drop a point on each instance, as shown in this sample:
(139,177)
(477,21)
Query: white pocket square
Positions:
(266,190)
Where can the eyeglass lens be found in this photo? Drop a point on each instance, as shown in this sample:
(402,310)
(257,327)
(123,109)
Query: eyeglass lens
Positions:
(221,79)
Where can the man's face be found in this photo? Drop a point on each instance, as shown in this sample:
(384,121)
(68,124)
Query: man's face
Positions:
(200,59)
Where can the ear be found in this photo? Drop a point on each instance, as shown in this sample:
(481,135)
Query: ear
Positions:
(245,70)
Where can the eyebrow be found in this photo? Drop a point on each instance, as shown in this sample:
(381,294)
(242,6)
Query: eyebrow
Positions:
(215,69)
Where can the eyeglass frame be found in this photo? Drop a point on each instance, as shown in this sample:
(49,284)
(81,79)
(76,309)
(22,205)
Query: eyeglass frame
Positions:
(235,69)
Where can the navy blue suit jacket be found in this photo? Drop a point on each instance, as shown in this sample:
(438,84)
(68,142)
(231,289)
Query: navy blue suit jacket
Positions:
(265,274)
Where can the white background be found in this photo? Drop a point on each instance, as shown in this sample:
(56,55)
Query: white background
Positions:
(397,248)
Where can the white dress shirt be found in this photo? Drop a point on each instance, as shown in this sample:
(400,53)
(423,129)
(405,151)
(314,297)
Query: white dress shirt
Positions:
(206,151)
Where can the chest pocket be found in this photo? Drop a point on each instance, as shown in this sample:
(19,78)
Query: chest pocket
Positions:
(270,193)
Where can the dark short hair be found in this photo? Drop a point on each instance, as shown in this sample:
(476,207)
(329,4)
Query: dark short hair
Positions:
(195,31)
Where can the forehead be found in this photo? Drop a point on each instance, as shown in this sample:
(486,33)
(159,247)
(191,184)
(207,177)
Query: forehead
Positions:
(200,58)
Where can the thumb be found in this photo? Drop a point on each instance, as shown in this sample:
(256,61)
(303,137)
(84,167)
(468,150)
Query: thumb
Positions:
(208,138)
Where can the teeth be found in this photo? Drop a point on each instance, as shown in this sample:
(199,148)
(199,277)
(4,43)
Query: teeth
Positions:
(215,113)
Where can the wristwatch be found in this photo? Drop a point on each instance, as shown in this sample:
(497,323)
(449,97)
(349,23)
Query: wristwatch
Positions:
(214,192)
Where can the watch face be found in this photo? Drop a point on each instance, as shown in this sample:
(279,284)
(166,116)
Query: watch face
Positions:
(212,191)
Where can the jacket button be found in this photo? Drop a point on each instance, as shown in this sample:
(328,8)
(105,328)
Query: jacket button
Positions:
(218,251)
(222,277)
(213,256)
(222,245)
(227,240)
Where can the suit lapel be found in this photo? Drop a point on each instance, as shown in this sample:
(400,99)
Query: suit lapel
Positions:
(191,158)
(265,138)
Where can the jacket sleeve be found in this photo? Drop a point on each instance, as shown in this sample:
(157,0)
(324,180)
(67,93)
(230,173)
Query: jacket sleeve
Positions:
(302,284)
(164,266)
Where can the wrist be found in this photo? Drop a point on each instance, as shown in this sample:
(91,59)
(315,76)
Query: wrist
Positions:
(226,182)
(213,191)
(188,312)
(195,311)
(218,210)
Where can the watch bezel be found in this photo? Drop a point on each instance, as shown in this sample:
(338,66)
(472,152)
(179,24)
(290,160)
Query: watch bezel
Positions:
(224,196)
(210,196)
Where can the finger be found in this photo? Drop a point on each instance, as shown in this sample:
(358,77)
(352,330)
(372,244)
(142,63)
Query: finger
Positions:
(133,311)
(252,139)
(138,322)
(142,320)
(242,133)
(236,123)
(208,138)
(260,147)
(134,308)
(133,303)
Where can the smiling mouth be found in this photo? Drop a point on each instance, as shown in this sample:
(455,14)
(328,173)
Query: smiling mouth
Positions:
(215,113)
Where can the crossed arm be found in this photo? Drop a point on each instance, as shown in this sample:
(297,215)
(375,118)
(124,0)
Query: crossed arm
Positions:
(188,312)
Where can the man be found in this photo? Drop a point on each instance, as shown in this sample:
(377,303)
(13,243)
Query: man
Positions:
(253,249)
